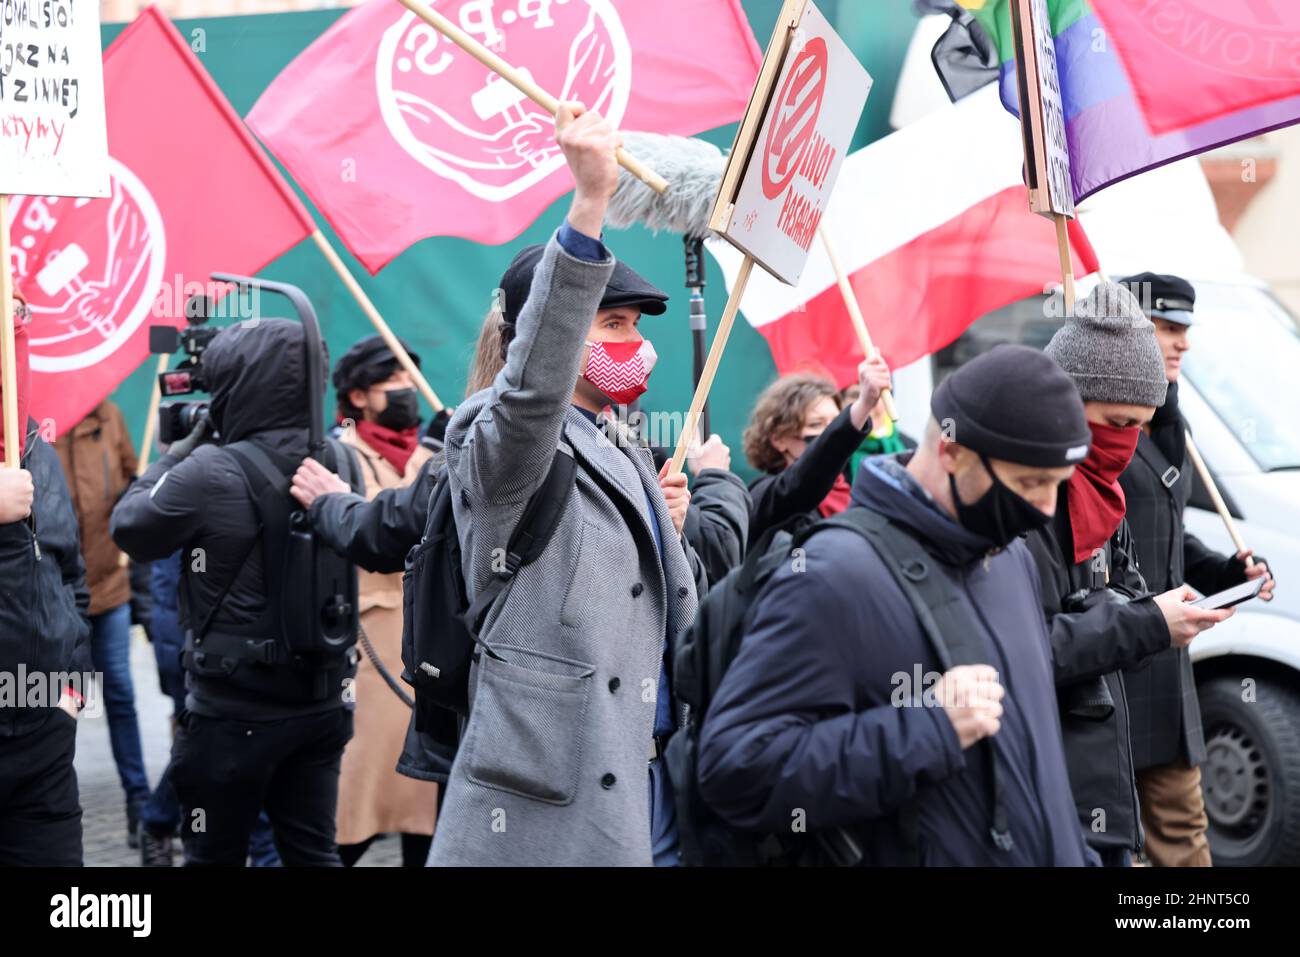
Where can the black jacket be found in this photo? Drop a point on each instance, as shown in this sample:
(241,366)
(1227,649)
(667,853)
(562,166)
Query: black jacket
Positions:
(717,522)
(806,717)
(1165,712)
(44,628)
(1121,628)
(376,535)
(800,487)
(203,506)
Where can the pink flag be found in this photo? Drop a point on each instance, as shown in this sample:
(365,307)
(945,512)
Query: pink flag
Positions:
(397,134)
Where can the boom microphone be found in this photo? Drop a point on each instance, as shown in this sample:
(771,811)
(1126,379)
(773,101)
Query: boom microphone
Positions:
(693,169)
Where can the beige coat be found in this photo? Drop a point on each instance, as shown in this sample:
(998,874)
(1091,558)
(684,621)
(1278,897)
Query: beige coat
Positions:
(373,797)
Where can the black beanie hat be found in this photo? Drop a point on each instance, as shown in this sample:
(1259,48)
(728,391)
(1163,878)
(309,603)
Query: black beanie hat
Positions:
(1015,404)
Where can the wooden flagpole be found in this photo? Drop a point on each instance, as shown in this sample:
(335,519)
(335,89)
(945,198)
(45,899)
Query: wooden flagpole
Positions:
(1067,263)
(855,313)
(151,419)
(368,307)
(1220,505)
(521,82)
(711,365)
(8,345)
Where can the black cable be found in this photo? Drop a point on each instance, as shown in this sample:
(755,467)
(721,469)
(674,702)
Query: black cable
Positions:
(383,671)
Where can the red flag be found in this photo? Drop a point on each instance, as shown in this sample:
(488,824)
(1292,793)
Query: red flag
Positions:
(1193,61)
(192,193)
(397,134)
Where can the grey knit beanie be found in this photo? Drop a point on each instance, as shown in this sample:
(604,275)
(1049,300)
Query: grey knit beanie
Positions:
(1109,347)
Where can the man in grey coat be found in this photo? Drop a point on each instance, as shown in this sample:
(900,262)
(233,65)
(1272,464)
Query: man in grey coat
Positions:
(559,761)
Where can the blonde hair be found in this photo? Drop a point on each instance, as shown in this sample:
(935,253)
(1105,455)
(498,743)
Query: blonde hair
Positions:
(779,413)
(490,352)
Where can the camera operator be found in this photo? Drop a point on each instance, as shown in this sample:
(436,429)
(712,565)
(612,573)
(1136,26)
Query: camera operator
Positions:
(262,727)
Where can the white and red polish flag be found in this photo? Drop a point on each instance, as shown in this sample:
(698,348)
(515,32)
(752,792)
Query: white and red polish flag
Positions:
(397,134)
(933,226)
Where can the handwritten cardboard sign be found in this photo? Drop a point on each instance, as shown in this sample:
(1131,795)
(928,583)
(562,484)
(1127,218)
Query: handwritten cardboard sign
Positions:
(791,143)
(53,138)
(1042,113)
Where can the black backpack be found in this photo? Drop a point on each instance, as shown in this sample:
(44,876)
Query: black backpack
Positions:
(708,647)
(440,628)
(310,620)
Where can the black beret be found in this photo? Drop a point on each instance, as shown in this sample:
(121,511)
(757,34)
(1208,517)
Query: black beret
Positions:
(367,362)
(626,287)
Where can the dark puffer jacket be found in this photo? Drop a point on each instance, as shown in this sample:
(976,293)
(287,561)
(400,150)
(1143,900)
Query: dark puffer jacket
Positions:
(43,597)
(203,506)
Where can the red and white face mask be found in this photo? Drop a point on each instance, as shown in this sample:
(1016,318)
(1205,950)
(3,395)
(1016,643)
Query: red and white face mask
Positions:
(620,369)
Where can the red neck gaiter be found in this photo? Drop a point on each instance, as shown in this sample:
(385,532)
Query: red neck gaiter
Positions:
(24,377)
(1096,499)
(396,447)
(838,498)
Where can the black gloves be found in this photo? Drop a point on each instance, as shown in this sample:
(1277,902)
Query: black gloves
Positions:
(435,434)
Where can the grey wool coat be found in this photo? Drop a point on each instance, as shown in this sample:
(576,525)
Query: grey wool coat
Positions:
(552,767)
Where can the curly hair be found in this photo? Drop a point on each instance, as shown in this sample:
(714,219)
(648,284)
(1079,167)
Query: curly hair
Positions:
(779,413)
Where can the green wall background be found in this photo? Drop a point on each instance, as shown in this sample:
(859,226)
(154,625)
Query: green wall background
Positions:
(436,293)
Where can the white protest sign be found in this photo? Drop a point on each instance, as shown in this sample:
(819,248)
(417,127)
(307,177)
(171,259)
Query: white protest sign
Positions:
(793,141)
(1042,114)
(53,137)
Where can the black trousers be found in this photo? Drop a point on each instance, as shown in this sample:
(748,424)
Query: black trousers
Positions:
(40,814)
(225,771)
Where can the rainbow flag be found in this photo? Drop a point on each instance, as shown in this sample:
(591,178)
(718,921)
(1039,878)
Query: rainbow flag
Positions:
(1146,83)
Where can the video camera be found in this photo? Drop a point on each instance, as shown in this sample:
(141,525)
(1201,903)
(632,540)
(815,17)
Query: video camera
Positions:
(178,419)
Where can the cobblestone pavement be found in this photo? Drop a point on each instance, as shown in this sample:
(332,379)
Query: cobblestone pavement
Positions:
(102,801)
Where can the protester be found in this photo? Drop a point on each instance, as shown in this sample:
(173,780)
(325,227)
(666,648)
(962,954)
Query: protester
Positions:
(819,723)
(379,397)
(559,763)
(1101,614)
(801,439)
(99,463)
(1165,715)
(717,520)
(44,634)
(261,728)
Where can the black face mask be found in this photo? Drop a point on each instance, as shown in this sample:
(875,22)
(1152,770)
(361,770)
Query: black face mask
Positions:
(1000,515)
(402,411)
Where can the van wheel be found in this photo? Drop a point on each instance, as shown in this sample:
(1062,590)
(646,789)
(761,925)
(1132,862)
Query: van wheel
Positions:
(1251,775)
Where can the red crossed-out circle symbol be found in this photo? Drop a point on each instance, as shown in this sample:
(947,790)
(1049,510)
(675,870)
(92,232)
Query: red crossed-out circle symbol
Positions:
(795,115)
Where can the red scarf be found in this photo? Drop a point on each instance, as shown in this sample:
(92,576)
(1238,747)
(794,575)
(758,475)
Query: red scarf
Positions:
(838,498)
(396,447)
(24,379)
(1096,499)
